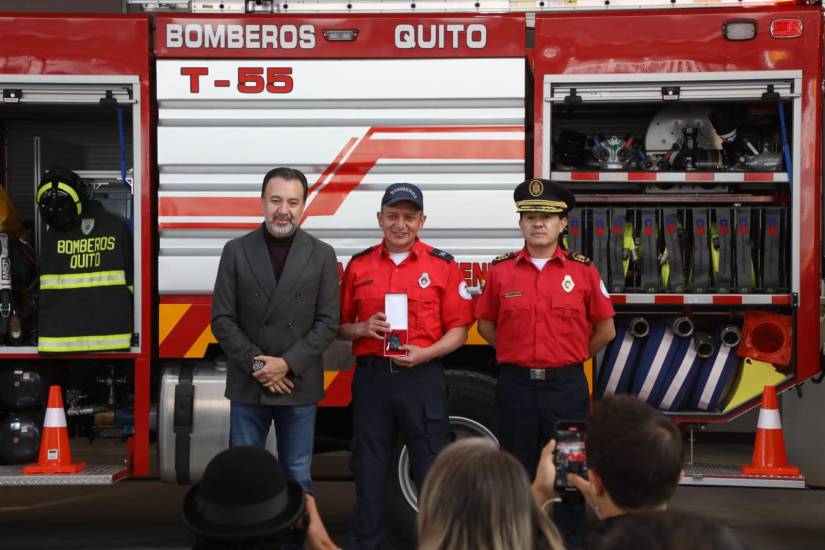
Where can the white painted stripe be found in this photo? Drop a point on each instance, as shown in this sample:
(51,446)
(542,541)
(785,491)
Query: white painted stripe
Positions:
(221,194)
(713,378)
(638,298)
(679,378)
(658,362)
(208,218)
(619,365)
(769,419)
(468,135)
(757,299)
(665,177)
(55,418)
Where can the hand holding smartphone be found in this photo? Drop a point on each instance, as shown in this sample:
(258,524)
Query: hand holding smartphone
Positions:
(570,457)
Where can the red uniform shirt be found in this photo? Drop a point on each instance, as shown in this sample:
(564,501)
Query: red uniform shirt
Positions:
(543,319)
(436,292)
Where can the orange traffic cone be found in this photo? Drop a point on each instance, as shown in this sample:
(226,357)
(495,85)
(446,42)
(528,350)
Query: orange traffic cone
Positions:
(769,458)
(55,455)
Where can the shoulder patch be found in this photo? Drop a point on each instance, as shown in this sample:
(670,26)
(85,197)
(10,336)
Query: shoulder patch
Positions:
(579,257)
(365,251)
(441,254)
(503,257)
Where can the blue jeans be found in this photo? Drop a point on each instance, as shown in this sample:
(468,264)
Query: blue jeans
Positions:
(294,428)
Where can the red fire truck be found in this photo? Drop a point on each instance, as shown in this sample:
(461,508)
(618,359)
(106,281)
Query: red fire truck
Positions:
(690,132)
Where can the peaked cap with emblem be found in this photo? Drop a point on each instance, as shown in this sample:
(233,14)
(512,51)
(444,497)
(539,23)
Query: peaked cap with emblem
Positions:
(545,196)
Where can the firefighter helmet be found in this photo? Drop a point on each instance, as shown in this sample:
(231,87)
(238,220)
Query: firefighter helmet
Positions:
(61,196)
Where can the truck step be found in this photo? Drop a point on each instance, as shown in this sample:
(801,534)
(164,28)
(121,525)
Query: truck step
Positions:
(93,474)
(726,475)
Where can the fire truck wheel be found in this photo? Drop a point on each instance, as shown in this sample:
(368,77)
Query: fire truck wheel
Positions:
(472,414)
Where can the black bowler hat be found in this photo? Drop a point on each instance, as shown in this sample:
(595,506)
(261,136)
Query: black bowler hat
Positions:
(244,494)
(398,192)
(545,196)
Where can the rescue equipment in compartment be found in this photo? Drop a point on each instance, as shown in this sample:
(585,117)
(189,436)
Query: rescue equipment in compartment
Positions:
(717,371)
(700,259)
(20,437)
(6,306)
(55,455)
(649,245)
(752,376)
(85,284)
(662,349)
(681,137)
(600,257)
(21,387)
(574,149)
(680,378)
(721,250)
(767,337)
(745,275)
(61,197)
(769,457)
(771,244)
(619,253)
(620,357)
(573,235)
(672,259)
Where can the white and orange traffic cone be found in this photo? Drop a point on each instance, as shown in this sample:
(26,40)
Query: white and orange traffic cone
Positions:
(769,458)
(55,454)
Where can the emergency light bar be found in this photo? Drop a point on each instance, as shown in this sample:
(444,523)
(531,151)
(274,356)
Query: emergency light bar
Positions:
(437,6)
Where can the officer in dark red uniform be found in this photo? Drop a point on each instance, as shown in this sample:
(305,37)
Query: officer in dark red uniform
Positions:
(406,394)
(546,311)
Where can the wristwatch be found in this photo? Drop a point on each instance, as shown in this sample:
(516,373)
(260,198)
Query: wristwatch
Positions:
(257,365)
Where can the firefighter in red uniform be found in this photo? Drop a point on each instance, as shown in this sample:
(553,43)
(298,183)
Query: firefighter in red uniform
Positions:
(409,393)
(545,310)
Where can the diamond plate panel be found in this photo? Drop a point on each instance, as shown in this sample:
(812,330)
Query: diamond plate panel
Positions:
(93,474)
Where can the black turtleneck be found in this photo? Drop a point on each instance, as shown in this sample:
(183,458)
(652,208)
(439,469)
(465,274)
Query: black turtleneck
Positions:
(278,251)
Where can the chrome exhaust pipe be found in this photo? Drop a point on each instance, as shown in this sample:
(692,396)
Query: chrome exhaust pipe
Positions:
(639,327)
(731,336)
(704,345)
(682,327)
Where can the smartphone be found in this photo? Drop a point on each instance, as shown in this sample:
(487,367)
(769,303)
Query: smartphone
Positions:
(570,456)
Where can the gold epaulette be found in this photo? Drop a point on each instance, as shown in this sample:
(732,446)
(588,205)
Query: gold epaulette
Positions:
(579,257)
(507,256)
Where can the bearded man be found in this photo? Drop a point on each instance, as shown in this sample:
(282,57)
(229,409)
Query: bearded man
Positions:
(274,312)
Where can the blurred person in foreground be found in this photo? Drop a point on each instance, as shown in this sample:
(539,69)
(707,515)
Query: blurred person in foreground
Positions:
(669,530)
(245,501)
(478,497)
(634,462)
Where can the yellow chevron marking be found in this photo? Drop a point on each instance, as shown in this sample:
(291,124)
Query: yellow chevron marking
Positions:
(198,349)
(474,338)
(329,376)
(170,315)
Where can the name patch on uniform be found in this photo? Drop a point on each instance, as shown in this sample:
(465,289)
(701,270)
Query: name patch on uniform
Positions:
(567,283)
(512,294)
(362,283)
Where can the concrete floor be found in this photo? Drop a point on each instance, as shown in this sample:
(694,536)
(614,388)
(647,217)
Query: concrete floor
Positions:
(145,514)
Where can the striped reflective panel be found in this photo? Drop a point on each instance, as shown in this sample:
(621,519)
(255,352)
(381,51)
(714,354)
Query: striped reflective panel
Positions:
(65,281)
(85,343)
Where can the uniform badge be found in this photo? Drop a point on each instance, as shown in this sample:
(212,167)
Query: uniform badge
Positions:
(603,288)
(567,283)
(536,188)
(86,225)
(463,292)
(424,280)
